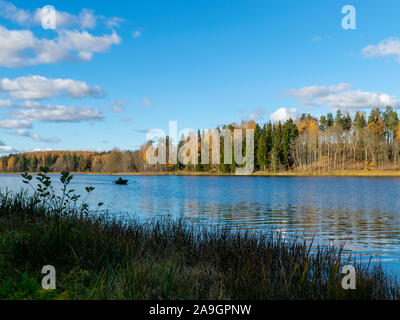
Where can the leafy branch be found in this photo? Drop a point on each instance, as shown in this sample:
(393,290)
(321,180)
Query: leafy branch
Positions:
(48,197)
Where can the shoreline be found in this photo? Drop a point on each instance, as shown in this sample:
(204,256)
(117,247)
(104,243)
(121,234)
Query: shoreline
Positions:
(102,259)
(332,173)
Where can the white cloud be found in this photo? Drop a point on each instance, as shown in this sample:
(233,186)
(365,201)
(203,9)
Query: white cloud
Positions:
(20,132)
(114,22)
(50,113)
(386,48)
(11,12)
(118,109)
(86,19)
(38,138)
(317,38)
(136,34)
(85,44)
(33,136)
(340,96)
(5,103)
(147,102)
(13,44)
(118,106)
(38,87)
(127,119)
(358,100)
(29,104)
(14,124)
(255,115)
(283,114)
(8,149)
(21,48)
(39,149)
(307,94)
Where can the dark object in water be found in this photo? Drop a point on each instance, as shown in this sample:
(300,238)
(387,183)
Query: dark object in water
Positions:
(120,181)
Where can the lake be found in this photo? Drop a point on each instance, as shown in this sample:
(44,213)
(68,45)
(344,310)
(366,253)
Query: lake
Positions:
(364,211)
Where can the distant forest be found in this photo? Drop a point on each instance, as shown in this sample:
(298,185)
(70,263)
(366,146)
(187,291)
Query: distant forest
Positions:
(333,142)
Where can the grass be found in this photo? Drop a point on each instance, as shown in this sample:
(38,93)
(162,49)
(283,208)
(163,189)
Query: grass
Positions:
(97,257)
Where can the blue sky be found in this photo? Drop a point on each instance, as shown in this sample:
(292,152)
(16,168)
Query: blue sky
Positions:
(113,69)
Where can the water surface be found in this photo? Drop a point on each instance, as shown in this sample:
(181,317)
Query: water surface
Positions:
(364,211)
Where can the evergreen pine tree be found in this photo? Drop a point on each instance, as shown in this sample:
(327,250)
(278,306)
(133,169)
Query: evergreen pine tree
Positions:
(323,123)
(359,120)
(261,155)
(329,120)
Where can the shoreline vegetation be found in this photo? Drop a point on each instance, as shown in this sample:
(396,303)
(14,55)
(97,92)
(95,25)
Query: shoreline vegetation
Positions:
(333,173)
(331,145)
(97,256)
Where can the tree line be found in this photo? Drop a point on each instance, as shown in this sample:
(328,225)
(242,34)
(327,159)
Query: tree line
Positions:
(332,142)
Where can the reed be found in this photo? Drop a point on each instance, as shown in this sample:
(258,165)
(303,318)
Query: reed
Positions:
(100,257)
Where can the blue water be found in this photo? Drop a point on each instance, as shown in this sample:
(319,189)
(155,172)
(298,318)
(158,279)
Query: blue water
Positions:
(364,211)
